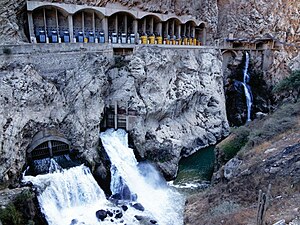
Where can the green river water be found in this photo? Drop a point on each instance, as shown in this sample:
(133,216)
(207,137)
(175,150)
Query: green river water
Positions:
(196,170)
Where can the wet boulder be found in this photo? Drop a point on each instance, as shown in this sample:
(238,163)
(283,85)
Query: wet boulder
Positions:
(138,206)
(119,215)
(101,214)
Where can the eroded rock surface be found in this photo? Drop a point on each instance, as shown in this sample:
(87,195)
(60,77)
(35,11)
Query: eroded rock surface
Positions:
(177,94)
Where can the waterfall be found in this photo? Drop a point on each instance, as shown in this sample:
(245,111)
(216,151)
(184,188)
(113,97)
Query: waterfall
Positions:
(142,180)
(247,89)
(72,196)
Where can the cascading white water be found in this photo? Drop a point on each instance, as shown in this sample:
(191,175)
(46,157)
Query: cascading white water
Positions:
(246,79)
(66,195)
(72,196)
(159,200)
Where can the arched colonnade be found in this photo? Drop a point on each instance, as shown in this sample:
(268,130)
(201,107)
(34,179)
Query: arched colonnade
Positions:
(59,22)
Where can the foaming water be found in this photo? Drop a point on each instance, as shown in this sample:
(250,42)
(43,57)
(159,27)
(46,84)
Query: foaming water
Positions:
(65,195)
(161,202)
(72,196)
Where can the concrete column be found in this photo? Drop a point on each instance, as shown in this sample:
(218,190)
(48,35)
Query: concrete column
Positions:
(144,25)
(159,28)
(204,36)
(173,27)
(82,23)
(135,26)
(30,25)
(94,28)
(193,32)
(71,30)
(178,31)
(116,24)
(116,115)
(56,19)
(151,25)
(127,117)
(167,28)
(105,28)
(135,30)
(50,149)
(45,22)
(184,30)
(125,24)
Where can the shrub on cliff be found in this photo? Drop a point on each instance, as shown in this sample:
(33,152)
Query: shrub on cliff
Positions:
(20,211)
(291,83)
(233,144)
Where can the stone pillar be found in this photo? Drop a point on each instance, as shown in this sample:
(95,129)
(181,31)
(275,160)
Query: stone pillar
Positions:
(151,25)
(45,22)
(159,28)
(173,28)
(105,28)
(178,31)
(116,24)
(30,25)
(82,23)
(125,24)
(56,20)
(184,30)
(204,36)
(135,26)
(144,25)
(71,30)
(93,23)
(193,32)
(167,28)
(135,30)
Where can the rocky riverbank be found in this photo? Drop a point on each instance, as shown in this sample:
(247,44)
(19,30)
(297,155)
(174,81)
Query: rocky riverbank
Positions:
(269,155)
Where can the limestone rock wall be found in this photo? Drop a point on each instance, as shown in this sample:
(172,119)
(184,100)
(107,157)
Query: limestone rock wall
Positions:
(180,99)
(178,95)
(31,101)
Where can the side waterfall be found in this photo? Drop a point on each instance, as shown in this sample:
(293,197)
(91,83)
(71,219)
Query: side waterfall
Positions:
(72,196)
(247,88)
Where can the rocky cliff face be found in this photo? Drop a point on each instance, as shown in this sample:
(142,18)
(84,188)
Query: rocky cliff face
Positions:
(178,96)
(252,19)
(32,102)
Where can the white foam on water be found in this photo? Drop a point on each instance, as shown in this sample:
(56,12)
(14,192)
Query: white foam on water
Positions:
(164,203)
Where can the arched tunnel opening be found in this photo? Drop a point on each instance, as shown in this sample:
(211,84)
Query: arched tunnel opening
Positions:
(46,145)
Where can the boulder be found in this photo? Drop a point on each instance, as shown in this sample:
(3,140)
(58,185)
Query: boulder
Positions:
(138,206)
(101,214)
(231,168)
(119,215)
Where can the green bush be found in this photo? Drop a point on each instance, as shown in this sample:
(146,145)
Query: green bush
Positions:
(13,213)
(289,83)
(240,138)
(11,216)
